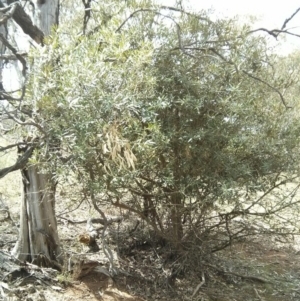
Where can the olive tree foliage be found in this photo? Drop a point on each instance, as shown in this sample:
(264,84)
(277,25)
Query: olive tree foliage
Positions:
(187,121)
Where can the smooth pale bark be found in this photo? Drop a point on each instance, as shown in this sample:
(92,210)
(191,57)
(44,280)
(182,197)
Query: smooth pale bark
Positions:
(38,238)
(38,227)
(2,51)
(45,14)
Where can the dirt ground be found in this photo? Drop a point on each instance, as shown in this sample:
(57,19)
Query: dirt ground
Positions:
(258,268)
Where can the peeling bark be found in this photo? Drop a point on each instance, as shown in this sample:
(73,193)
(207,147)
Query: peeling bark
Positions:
(38,231)
(38,238)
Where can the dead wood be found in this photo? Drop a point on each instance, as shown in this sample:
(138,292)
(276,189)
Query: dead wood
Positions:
(13,269)
(9,264)
(244,277)
(83,268)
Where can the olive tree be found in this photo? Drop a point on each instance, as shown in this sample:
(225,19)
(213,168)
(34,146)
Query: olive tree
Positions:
(184,120)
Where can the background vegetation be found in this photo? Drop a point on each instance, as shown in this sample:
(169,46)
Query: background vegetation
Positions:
(170,115)
(188,122)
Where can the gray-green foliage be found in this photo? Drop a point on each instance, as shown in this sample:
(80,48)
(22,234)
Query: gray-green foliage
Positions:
(167,109)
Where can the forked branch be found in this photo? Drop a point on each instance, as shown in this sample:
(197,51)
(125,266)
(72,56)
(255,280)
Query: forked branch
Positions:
(21,162)
(275,32)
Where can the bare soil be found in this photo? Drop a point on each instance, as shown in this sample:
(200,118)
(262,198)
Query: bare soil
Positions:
(258,268)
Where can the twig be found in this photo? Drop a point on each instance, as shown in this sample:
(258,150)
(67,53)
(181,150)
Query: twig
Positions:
(69,211)
(101,221)
(132,14)
(15,52)
(275,32)
(199,285)
(13,145)
(257,294)
(267,84)
(27,122)
(289,19)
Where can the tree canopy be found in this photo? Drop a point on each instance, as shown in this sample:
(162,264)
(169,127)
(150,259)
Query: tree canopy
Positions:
(167,113)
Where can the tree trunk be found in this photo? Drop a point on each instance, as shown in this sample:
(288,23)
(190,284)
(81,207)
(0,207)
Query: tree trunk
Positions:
(38,227)
(3,31)
(176,218)
(38,238)
(176,197)
(45,15)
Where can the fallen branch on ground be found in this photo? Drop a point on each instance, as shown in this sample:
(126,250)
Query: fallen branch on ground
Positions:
(245,277)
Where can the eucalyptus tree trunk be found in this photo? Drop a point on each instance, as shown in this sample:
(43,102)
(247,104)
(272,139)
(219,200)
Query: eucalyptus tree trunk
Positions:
(38,238)
(3,31)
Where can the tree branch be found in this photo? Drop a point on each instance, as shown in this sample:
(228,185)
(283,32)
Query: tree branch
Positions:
(12,57)
(27,122)
(87,13)
(290,18)
(21,59)
(8,13)
(4,148)
(21,162)
(132,14)
(25,22)
(275,32)
(267,84)
(17,13)
(15,52)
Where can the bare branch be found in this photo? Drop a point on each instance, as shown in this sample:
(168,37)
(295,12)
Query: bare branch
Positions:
(17,13)
(21,162)
(267,84)
(15,52)
(290,18)
(155,11)
(270,32)
(274,32)
(8,13)
(12,57)
(30,122)
(179,10)
(22,60)
(12,146)
(134,13)
(196,290)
